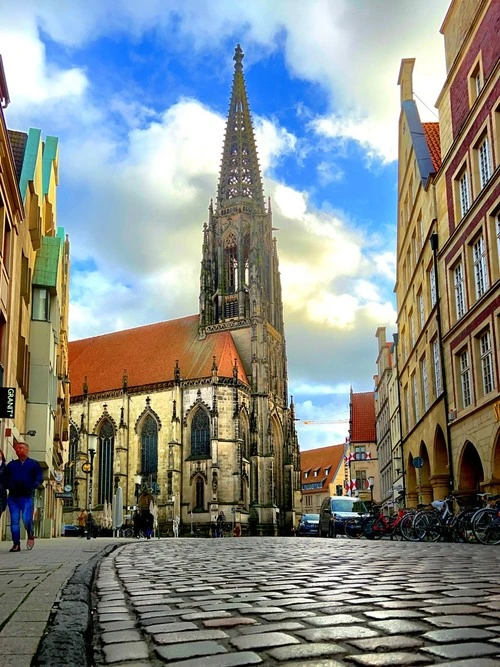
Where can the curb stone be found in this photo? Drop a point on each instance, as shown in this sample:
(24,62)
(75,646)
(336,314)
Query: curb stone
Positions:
(67,641)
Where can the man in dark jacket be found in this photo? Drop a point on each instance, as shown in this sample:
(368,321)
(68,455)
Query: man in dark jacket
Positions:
(22,476)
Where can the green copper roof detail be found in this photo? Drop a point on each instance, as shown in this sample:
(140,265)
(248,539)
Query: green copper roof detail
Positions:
(61,233)
(29,162)
(47,262)
(49,156)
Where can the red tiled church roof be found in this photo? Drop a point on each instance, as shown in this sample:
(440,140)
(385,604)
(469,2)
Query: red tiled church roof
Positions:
(149,354)
(431,132)
(363,417)
(321,459)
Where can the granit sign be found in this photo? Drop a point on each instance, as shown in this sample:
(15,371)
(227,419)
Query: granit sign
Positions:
(7,402)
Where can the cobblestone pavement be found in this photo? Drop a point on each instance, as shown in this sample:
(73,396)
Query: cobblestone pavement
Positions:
(298,601)
(30,582)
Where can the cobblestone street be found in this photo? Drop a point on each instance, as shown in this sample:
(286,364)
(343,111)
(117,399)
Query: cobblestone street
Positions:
(298,601)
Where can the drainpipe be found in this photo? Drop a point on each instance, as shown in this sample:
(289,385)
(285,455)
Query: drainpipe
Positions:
(434,245)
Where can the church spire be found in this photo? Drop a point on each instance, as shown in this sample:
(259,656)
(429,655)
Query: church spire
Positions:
(240,179)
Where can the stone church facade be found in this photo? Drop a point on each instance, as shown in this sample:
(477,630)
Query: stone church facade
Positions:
(193,414)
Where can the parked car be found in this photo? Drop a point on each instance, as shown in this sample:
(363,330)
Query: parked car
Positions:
(308,525)
(335,511)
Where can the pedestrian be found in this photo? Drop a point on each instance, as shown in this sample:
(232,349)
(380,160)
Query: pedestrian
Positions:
(22,476)
(82,522)
(220,524)
(148,524)
(3,488)
(136,519)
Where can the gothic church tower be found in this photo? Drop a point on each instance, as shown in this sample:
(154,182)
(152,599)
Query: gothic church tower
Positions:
(240,291)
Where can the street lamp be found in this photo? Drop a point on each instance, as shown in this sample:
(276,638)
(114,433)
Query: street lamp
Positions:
(371,483)
(88,467)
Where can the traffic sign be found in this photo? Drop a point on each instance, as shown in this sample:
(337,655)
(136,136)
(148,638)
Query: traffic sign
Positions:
(418,462)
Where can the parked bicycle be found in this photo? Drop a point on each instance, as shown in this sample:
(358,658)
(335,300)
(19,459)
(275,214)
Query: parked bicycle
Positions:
(486,522)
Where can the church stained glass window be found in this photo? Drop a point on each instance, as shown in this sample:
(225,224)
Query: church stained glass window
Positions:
(149,446)
(200,434)
(105,462)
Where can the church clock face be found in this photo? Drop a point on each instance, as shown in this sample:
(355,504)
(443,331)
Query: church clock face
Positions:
(86,467)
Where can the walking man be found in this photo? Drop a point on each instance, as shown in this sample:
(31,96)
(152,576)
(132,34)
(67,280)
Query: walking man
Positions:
(22,477)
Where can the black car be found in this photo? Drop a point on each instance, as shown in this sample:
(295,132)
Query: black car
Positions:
(308,525)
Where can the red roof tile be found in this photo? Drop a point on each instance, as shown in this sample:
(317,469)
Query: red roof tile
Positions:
(363,417)
(149,354)
(321,459)
(431,132)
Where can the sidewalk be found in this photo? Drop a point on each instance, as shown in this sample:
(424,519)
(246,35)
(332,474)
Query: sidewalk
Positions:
(30,582)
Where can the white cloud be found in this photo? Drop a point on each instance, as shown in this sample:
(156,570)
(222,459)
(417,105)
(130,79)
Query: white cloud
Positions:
(352,49)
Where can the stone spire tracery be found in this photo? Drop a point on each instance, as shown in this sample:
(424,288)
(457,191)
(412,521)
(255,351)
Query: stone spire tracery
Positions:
(240,179)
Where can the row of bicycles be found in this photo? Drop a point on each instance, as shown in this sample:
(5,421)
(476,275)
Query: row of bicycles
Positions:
(478,522)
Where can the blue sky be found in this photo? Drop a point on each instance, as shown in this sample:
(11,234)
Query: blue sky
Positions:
(138,94)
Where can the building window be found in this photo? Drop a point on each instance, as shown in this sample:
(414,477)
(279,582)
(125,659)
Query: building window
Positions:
(486,362)
(437,367)
(200,434)
(421,308)
(315,473)
(463,188)
(306,474)
(327,470)
(407,408)
(309,501)
(425,383)
(480,273)
(360,453)
(484,162)
(432,285)
(498,237)
(416,406)
(41,304)
(465,378)
(361,481)
(105,460)
(458,277)
(149,446)
(412,330)
(338,490)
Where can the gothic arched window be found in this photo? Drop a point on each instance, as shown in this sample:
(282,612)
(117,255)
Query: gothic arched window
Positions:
(105,462)
(200,494)
(231,263)
(200,434)
(69,471)
(149,446)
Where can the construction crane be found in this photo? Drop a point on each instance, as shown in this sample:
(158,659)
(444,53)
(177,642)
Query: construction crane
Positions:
(326,421)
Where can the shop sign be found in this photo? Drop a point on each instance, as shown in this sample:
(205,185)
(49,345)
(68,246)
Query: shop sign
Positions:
(7,402)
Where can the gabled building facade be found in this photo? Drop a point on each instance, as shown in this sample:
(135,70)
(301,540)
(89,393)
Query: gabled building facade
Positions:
(419,349)
(468,239)
(193,414)
(362,463)
(383,420)
(322,475)
(34,313)
(448,266)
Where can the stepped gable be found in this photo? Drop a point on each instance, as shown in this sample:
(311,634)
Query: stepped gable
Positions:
(149,354)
